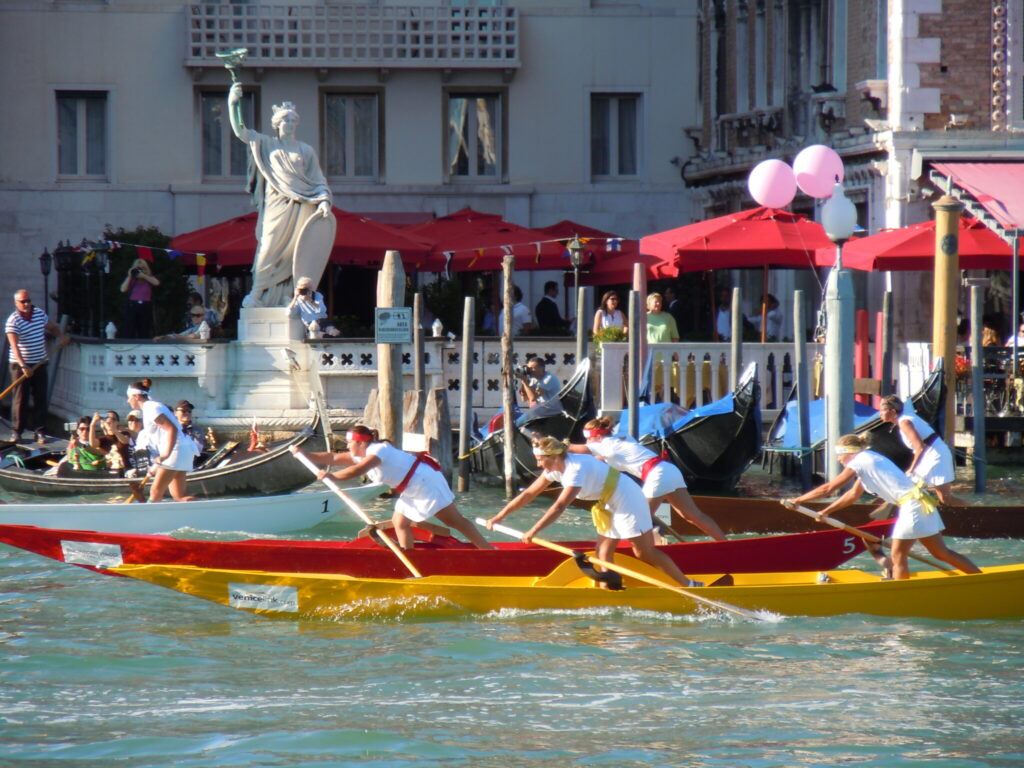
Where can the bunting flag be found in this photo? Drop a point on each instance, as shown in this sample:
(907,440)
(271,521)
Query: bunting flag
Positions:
(613,243)
(145,253)
(448,256)
(200,268)
(174,254)
(536,259)
(479,253)
(88,257)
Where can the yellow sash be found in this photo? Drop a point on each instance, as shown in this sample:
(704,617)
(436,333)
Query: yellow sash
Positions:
(928,502)
(599,513)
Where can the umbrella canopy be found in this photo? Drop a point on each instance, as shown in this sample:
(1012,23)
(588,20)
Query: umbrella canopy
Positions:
(358,241)
(474,241)
(610,257)
(913,248)
(759,237)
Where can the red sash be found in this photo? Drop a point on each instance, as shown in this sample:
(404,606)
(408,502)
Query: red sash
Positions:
(423,457)
(648,466)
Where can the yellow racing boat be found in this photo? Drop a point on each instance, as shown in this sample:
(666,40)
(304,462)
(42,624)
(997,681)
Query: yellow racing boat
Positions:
(998,592)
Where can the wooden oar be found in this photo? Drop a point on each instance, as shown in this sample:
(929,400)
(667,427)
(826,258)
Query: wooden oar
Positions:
(20,379)
(862,534)
(628,572)
(329,482)
(136,491)
(667,527)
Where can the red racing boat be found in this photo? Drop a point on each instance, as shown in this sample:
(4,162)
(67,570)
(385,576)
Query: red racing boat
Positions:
(434,554)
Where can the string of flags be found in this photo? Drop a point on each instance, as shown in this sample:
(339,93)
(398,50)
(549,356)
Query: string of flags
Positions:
(144,252)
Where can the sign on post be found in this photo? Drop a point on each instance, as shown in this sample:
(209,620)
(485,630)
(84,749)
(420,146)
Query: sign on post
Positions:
(393,325)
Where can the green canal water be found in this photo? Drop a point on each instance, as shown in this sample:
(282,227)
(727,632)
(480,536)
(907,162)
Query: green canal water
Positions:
(101,671)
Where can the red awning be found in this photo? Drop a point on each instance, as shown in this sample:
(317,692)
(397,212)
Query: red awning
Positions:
(998,187)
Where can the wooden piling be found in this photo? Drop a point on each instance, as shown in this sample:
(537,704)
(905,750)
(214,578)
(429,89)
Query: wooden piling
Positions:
(466,391)
(390,293)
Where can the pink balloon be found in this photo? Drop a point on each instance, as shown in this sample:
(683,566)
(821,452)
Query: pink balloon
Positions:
(816,169)
(771,183)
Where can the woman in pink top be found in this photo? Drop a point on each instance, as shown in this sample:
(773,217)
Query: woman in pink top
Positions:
(137,322)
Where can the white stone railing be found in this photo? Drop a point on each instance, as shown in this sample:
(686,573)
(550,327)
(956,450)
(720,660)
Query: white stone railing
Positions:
(316,34)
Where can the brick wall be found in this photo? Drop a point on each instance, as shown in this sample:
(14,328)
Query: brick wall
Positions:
(964,74)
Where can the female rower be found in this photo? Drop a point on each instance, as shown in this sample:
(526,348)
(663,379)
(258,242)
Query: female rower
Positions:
(417,481)
(620,511)
(918,517)
(172,453)
(933,461)
(661,480)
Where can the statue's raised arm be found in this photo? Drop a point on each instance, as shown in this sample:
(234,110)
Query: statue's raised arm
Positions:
(295,227)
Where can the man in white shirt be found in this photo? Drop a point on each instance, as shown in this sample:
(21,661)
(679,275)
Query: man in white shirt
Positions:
(541,386)
(309,305)
(522,320)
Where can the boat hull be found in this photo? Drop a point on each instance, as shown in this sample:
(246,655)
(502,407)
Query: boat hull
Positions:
(764,516)
(275,471)
(998,592)
(257,514)
(432,555)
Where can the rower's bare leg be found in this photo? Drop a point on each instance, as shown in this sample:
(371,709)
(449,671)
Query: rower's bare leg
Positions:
(936,545)
(643,548)
(161,479)
(403,530)
(874,549)
(604,548)
(451,517)
(177,486)
(682,502)
(900,558)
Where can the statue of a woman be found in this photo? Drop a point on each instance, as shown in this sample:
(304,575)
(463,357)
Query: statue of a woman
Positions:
(295,227)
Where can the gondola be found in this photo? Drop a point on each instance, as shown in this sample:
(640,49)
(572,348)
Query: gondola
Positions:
(928,403)
(562,417)
(241,473)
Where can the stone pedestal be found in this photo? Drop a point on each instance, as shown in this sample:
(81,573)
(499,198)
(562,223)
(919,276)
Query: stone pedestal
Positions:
(268,324)
(268,363)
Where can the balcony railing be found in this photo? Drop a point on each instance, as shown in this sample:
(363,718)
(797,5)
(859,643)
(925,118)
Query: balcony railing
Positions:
(314,34)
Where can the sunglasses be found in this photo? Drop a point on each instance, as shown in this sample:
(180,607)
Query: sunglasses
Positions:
(23,301)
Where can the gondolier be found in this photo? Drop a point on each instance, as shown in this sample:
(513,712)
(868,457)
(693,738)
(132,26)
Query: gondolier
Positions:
(620,511)
(918,514)
(26,330)
(422,490)
(660,479)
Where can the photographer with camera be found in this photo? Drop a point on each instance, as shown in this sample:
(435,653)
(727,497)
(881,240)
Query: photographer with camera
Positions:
(536,385)
(137,321)
(309,305)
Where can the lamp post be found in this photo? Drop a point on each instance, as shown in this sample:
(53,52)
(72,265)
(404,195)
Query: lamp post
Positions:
(45,262)
(575,248)
(839,218)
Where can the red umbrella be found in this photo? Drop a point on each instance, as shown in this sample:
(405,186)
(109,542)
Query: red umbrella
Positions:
(479,241)
(208,239)
(358,241)
(611,256)
(759,237)
(913,247)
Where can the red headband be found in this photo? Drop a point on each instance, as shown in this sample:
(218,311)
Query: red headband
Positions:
(358,437)
(596,432)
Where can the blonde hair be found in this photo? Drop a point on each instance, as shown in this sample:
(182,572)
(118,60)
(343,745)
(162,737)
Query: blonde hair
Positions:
(549,446)
(143,265)
(859,442)
(652,296)
(604,422)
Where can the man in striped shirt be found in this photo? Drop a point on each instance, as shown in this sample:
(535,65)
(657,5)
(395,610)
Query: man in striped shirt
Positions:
(26,330)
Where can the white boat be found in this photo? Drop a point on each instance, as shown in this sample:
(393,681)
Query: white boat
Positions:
(252,514)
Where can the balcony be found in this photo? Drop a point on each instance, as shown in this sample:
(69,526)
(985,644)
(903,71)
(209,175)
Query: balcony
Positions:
(316,35)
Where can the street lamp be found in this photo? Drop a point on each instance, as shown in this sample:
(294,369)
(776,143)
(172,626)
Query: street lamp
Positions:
(575,248)
(839,218)
(45,262)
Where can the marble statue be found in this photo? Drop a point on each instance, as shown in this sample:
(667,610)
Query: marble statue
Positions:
(295,226)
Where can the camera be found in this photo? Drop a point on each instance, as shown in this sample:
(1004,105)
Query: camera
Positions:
(521,371)
(303,291)
(136,271)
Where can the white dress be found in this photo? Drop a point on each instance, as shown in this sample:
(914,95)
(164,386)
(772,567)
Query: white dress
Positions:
(427,492)
(183,456)
(889,483)
(935,467)
(627,455)
(631,516)
(613,319)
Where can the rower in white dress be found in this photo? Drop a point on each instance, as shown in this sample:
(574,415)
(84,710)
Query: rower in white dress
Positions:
(417,480)
(661,479)
(918,518)
(621,512)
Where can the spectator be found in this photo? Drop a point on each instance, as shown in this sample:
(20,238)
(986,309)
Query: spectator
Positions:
(115,441)
(199,330)
(309,306)
(26,330)
(137,320)
(674,306)
(661,326)
(549,319)
(538,386)
(723,315)
(609,315)
(137,446)
(989,337)
(489,323)
(195,300)
(522,321)
(84,451)
(774,318)
(1020,337)
(183,413)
